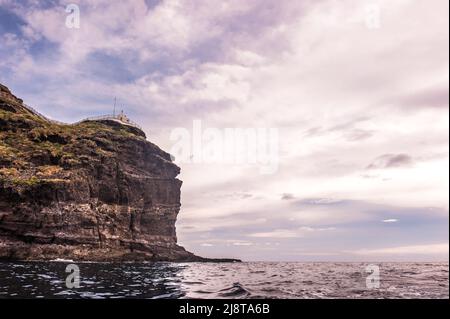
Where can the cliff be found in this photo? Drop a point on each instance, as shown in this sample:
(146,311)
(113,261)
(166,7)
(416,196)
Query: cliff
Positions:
(96,190)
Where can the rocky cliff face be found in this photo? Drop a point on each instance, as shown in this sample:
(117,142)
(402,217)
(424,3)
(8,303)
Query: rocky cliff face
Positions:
(91,191)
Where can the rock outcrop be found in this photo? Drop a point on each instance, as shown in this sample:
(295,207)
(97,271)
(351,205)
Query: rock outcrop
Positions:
(97,190)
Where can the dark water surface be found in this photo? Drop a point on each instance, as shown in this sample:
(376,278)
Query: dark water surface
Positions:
(224,280)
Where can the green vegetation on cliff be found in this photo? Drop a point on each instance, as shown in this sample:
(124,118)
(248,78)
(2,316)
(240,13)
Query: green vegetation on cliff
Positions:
(29,145)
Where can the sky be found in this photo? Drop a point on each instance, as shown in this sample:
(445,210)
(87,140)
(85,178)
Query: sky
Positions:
(349,100)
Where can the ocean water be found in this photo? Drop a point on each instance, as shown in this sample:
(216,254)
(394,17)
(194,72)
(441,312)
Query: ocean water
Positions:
(225,280)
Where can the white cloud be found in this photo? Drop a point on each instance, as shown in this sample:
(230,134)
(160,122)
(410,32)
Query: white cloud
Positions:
(432,249)
(391,220)
(342,95)
(242,244)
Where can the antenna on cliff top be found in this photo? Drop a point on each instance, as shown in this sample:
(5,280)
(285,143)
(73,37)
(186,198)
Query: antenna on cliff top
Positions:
(114,111)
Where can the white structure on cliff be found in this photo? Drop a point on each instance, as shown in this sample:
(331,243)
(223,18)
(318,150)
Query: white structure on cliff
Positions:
(120,118)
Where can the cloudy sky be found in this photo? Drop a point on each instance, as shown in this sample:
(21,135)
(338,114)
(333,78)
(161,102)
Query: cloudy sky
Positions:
(356,89)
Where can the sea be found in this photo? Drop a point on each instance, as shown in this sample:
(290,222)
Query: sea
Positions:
(293,280)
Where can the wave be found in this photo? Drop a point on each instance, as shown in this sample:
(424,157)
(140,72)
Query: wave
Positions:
(236,290)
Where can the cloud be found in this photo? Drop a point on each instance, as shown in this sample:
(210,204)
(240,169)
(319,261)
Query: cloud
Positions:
(435,97)
(430,249)
(339,92)
(390,220)
(242,244)
(287,196)
(290,233)
(391,161)
(279,233)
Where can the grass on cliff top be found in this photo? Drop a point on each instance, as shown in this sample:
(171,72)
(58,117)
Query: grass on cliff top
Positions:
(28,142)
(24,136)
